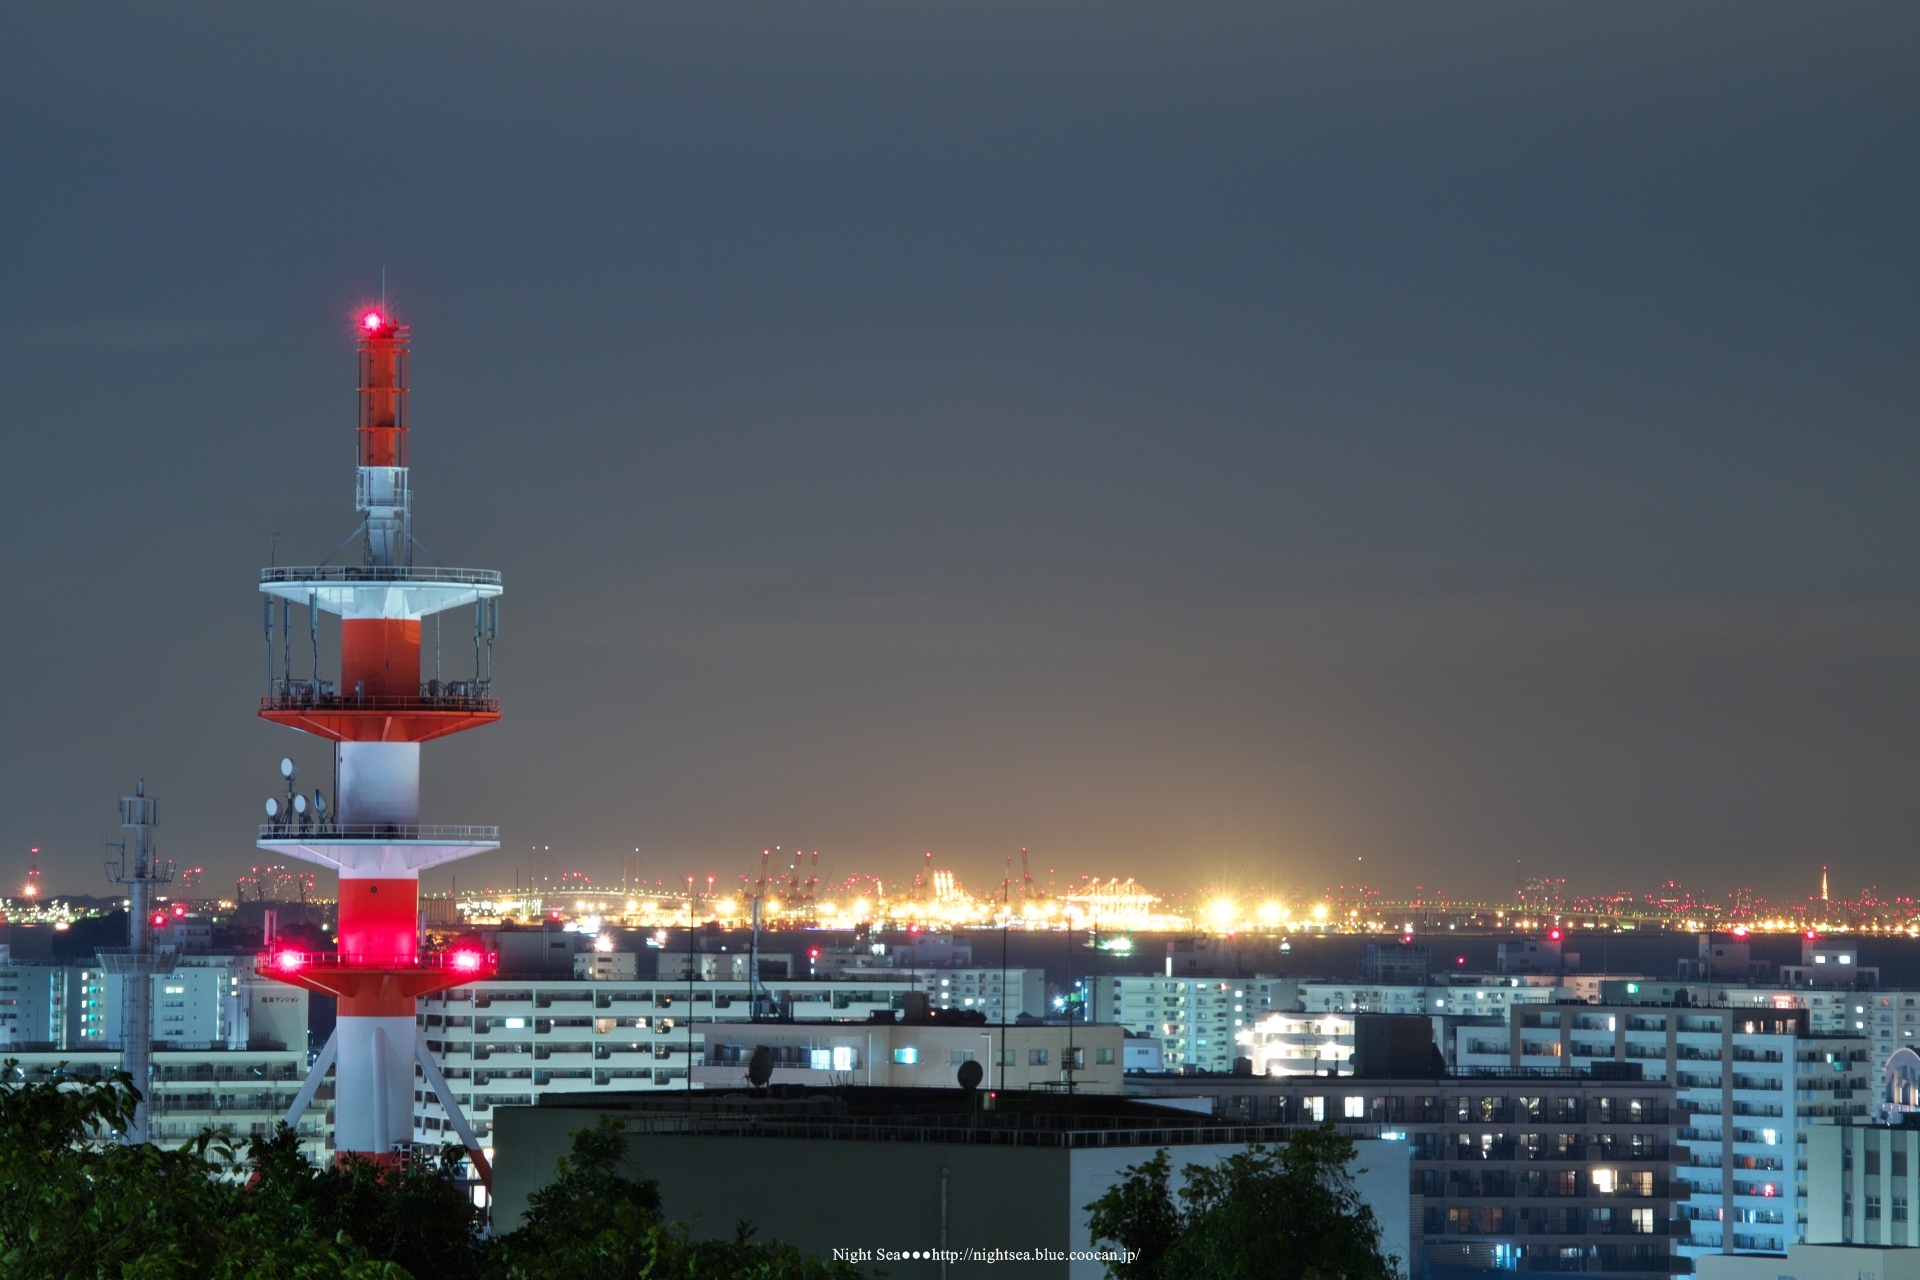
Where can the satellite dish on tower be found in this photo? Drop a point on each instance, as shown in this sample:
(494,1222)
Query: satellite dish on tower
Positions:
(273,807)
(300,804)
(760,1067)
(286,766)
(319,801)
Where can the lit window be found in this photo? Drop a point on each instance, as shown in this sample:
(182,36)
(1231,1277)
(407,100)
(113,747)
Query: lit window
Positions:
(906,1057)
(1605,1180)
(1355,1108)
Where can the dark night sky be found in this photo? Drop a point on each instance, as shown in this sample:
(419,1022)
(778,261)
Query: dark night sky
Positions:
(1211,443)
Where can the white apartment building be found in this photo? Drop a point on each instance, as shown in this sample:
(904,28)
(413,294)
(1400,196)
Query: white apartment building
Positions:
(1888,1019)
(997,993)
(1752,1081)
(505,1041)
(1299,1044)
(991,991)
(1196,1020)
(1465,996)
(1861,1181)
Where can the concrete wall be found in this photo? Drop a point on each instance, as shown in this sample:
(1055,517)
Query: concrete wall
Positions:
(825,1195)
(1816,1262)
(822,1195)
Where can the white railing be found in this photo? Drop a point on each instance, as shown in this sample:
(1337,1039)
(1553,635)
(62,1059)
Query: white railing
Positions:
(375,832)
(400,573)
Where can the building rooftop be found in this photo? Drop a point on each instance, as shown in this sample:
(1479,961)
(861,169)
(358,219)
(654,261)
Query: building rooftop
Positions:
(863,1114)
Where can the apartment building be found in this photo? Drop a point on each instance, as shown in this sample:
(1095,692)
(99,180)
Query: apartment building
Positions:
(1507,1172)
(1888,1019)
(1462,996)
(943,971)
(1861,1185)
(230,1048)
(1750,1081)
(1299,1044)
(505,1042)
(1196,1019)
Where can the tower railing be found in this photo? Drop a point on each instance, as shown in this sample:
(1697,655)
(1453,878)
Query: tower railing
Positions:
(375,831)
(350,573)
(434,695)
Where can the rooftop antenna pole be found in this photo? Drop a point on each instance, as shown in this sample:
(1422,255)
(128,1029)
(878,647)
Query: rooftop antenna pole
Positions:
(689,985)
(753,964)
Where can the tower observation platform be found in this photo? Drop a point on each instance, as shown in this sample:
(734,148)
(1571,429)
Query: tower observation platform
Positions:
(377,713)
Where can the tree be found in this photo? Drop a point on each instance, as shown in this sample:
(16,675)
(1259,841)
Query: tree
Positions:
(76,1203)
(1290,1213)
(417,1215)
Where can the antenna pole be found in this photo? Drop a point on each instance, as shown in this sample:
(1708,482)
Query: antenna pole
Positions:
(138,963)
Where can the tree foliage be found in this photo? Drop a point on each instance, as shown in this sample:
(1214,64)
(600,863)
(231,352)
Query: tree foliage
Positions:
(1288,1213)
(76,1204)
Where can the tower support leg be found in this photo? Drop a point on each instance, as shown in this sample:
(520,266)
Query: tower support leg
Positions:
(431,1070)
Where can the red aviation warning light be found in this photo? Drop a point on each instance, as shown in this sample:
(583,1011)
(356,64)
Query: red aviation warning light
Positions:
(372,321)
(1553,935)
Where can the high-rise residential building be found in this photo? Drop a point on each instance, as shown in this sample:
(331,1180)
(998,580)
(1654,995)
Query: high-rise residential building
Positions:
(1750,1083)
(1861,1182)
(1508,1172)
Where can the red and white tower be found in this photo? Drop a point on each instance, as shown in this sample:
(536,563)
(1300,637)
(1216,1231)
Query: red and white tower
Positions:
(378,715)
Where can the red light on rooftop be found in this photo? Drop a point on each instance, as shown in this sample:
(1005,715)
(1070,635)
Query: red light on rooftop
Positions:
(468,961)
(159,919)
(372,320)
(1553,935)
(1739,931)
(288,961)
(1812,936)
(180,908)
